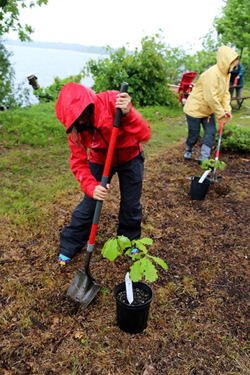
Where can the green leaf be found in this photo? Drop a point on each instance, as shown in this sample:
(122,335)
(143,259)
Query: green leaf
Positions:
(111,249)
(136,271)
(123,242)
(150,271)
(143,267)
(141,247)
(221,165)
(145,241)
(207,164)
(160,261)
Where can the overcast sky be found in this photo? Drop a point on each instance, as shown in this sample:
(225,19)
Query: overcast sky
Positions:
(118,23)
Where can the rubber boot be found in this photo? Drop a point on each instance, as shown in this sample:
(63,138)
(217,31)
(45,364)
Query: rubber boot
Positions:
(188,154)
(205,153)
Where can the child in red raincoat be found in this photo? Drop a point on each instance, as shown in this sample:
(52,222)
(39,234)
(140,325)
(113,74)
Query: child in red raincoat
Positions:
(89,118)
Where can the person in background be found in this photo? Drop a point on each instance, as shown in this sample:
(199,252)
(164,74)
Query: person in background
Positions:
(209,98)
(237,73)
(89,119)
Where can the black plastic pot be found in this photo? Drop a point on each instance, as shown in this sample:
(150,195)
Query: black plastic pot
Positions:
(132,318)
(198,190)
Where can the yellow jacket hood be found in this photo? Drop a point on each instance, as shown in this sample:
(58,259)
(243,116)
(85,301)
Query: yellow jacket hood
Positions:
(211,93)
(225,56)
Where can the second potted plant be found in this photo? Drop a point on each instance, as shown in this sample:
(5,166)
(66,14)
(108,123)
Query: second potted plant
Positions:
(133,297)
(200,185)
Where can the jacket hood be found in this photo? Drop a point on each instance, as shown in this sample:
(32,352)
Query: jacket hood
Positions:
(225,56)
(72,101)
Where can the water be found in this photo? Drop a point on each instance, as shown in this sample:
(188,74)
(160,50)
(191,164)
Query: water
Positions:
(46,64)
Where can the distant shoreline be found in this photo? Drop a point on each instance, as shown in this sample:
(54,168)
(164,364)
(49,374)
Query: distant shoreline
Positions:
(60,46)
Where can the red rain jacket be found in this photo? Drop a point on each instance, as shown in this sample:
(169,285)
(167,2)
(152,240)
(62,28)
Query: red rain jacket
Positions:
(72,101)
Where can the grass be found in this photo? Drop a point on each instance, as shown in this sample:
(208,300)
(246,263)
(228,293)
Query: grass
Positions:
(34,165)
(35,155)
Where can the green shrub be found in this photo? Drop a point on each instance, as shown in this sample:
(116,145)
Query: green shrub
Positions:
(145,71)
(51,92)
(235,138)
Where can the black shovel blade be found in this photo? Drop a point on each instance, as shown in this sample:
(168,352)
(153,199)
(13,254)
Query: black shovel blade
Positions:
(83,289)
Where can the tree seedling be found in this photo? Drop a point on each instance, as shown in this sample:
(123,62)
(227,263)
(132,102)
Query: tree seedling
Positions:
(213,164)
(137,251)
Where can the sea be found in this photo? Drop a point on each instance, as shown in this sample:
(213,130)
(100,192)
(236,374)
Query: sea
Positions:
(46,64)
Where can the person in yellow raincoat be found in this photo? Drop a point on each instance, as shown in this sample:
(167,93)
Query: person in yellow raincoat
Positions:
(209,98)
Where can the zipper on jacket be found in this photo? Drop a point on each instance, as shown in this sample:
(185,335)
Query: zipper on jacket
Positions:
(117,155)
(97,130)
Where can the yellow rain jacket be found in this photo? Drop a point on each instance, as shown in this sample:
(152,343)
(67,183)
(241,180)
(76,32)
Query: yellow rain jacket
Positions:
(211,93)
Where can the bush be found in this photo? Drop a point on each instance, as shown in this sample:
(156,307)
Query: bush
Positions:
(145,71)
(236,138)
(51,92)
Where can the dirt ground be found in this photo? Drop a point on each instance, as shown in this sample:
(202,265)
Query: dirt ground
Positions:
(199,317)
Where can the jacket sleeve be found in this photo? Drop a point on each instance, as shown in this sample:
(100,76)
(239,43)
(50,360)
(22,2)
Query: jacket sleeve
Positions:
(80,167)
(241,70)
(136,125)
(210,89)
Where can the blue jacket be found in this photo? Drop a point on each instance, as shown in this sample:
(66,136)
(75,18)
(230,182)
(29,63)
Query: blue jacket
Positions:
(238,72)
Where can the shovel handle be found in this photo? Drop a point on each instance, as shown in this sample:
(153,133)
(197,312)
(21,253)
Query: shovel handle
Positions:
(105,175)
(222,123)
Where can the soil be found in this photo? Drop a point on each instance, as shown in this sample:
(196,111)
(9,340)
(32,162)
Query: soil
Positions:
(199,316)
(140,296)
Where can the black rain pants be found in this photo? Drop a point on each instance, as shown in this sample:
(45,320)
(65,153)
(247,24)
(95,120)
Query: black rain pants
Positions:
(75,235)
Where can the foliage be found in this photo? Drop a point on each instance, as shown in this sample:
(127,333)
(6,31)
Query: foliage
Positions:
(146,72)
(236,138)
(177,62)
(6,75)
(234,24)
(9,17)
(204,59)
(213,163)
(51,92)
(137,251)
(10,96)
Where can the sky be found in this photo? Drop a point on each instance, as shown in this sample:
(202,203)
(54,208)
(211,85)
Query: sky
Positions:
(121,23)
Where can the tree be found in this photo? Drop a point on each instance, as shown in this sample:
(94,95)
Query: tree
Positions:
(204,59)
(6,75)
(9,17)
(234,24)
(9,20)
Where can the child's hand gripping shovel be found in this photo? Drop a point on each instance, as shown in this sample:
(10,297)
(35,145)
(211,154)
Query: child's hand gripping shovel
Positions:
(84,287)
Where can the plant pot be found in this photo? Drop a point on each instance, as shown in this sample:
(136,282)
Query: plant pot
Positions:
(198,190)
(132,318)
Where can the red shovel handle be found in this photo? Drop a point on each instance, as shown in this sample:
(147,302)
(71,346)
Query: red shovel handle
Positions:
(222,123)
(105,175)
(111,149)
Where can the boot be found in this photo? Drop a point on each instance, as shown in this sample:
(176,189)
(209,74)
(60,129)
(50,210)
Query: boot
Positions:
(188,154)
(205,153)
